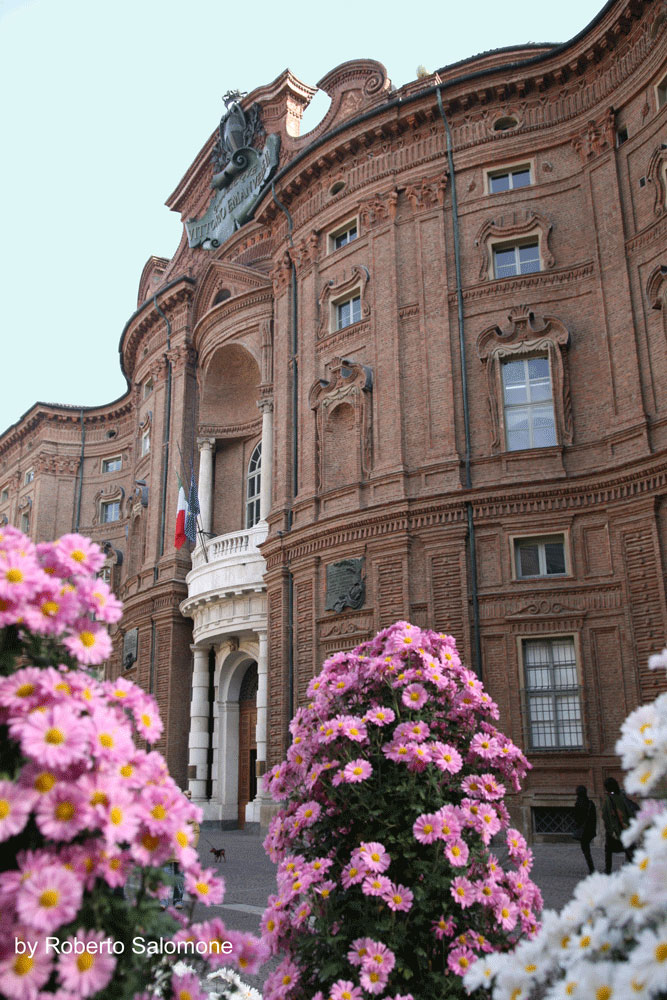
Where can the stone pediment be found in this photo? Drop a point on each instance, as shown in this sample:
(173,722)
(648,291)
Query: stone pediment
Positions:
(222,277)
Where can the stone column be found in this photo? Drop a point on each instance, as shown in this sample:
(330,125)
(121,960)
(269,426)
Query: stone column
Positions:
(206,450)
(266,406)
(198,740)
(262,701)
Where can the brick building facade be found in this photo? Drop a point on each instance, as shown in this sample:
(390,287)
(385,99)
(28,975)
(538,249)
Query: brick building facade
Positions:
(421,349)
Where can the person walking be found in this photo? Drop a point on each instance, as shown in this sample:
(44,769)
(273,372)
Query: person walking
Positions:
(617,811)
(586,822)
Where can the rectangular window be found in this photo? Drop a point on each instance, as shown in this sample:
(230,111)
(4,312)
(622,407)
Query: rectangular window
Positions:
(110,511)
(29,476)
(553,708)
(146,441)
(348,312)
(340,237)
(509,180)
(516,258)
(148,387)
(540,556)
(553,820)
(528,404)
(112,464)
(25,523)
(4,496)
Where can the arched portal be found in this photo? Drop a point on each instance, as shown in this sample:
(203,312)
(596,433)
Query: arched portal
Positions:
(247,742)
(235,741)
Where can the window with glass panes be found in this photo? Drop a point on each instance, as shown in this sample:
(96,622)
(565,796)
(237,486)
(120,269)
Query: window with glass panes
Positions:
(342,239)
(348,312)
(509,180)
(254,483)
(540,556)
(110,511)
(553,707)
(528,404)
(518,258)
(112,464)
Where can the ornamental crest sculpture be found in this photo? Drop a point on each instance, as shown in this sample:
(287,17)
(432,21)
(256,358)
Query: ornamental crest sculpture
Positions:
(241,172)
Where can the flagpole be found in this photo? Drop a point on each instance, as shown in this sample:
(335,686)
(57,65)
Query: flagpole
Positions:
(199,525)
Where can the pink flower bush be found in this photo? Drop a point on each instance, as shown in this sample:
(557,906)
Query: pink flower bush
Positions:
(83,810)
(393,792)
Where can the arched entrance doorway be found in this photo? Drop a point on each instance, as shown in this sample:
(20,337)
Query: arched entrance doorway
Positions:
(247,786)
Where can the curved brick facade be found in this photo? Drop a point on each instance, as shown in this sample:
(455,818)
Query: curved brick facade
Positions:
(493,449)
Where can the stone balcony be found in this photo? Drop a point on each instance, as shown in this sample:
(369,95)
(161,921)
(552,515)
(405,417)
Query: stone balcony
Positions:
(226,592)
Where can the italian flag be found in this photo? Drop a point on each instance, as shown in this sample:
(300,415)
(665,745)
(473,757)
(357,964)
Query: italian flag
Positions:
(181,511)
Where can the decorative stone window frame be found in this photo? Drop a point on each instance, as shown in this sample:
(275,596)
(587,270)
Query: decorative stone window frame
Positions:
(340,230)
(28,476)
(4,494)
(548,633)
(656,288)
(540,536)
(527,337)
(145,429)
(148,387)
(105,461)
(508,168)
(661,93)
(112,494)
(493,232)
(335,293)
(656,173)
(352,383)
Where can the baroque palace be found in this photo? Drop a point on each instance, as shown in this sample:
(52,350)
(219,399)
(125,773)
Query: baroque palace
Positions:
(420,357)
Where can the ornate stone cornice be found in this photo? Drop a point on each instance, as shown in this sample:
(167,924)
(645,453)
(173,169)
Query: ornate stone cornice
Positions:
(170,301)
(519,285)
(247,429)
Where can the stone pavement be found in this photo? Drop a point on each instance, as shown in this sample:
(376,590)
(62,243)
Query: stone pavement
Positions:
(250,878)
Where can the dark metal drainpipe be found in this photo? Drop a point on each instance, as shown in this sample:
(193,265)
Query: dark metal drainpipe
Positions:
(151,670)
(77,516)
(165,446)
(464,387)
(295,462)
(211,698)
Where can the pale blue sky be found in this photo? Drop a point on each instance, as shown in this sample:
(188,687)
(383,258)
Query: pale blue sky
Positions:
(103,108)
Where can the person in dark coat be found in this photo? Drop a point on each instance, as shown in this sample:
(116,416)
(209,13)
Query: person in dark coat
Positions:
(586,820)
(617,812)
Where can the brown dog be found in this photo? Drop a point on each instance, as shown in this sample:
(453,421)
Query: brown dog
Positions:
(218,852)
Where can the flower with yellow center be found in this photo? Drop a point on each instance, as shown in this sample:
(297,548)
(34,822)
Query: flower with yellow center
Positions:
(54,737)
(22,965)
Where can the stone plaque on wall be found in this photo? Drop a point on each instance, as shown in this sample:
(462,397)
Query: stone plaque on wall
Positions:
(346,587)
(130,644)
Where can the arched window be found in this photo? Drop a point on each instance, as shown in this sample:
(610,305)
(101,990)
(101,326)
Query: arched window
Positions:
(254,487)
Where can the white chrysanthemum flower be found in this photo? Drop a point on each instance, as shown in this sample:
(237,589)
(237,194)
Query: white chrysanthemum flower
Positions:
(631,982)
(645,776)
(642,821)
(511,983)
(655,838)
(592,891)
(532,959)
(595,981)
(481,972)
(658,661)
(649,959)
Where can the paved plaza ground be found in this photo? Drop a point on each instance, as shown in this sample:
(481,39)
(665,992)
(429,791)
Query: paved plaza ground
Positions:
(250,878)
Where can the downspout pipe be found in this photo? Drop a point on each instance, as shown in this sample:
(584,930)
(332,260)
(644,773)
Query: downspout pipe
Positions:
(464,387)
(77,516)
(166,436)
(295,458)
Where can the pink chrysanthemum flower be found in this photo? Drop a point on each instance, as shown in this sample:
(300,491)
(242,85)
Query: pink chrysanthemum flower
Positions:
(446,757)
(376,885)
(118,814)
(516,844)
(62,813)
(459,960)
(419,755)
(506,912)
(21,690)
(49,898)
(398,752)
(308,813)
(147,719)
(354,729)
(415,731)
(443,927)
(380,716)
(373,980)
(20,575)
(343,989)
(462,891)
(427,828)
(56,738)
(78,555)
(457,852)
(22,975)
(352,874)
(374,856)
(100,600)
(15,806)
(110,735)
(399,898)
(206,886)
(359,950)
(90,971)
(89,642)
(186,987)
(484,746)
(379,957)
(248,952)
(357,770)
(414,696)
